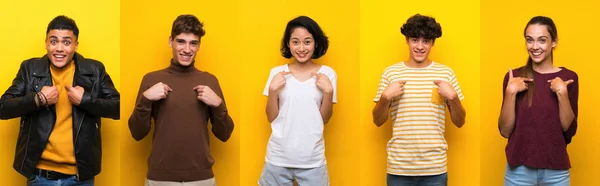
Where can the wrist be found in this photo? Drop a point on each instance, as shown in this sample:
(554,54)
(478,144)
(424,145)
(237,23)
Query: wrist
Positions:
(510,92)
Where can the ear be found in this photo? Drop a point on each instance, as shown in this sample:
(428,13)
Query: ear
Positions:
(76,45)
(554,43)
(170,42)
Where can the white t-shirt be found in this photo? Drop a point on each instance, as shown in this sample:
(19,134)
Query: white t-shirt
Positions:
(297,132)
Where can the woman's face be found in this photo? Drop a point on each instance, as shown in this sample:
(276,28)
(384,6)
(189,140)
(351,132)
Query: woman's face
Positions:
(302,45)
(539,43)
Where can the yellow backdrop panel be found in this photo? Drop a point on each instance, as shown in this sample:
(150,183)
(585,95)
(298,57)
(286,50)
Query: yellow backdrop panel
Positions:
(382,44)
(145,29)
(263,25)
(503,47)
(24,27)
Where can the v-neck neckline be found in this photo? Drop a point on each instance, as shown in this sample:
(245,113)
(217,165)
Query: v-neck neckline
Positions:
(287,68)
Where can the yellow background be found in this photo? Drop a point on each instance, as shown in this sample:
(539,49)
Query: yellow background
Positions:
(479,42)
(23,29)
(503,47)
(263,25)
(146,28)
(382,44)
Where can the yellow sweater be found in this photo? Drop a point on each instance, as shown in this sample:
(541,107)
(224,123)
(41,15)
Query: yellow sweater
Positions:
(59,154)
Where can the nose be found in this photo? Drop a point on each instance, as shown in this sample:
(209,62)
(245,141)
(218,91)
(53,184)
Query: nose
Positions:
(60,47)
(420,45)
(302,47)
(535,45)
(187,48)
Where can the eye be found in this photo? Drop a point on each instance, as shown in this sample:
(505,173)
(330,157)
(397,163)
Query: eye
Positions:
(542,41)
(53,42)
(427,41)
(67,43)
(180,42)
(529,40)
(295,42)
(307,42)
(414,40)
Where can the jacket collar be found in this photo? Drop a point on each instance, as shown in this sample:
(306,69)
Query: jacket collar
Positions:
(82,67)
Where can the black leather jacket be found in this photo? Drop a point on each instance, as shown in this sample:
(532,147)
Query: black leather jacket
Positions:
(100,99)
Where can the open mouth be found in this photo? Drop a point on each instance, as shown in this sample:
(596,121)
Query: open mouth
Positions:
(536,53)
(59,57)
(186,57)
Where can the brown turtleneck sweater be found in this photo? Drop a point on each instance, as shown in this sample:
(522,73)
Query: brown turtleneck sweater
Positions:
(180,147)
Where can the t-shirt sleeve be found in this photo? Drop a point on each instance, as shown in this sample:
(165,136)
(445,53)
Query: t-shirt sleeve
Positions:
(383,83)
(333,79)
(271,74)
(454,82)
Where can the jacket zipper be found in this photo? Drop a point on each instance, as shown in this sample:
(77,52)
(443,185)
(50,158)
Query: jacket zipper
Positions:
(76,137)
(26,145)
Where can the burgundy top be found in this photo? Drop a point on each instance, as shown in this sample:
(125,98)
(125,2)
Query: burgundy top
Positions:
(538,140)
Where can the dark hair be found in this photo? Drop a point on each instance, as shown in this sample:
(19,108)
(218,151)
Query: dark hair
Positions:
(321,41)
(187,24)
(418,26)
(527,70)
(62,22)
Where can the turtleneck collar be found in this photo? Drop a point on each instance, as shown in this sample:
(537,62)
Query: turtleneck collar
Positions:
(175,67)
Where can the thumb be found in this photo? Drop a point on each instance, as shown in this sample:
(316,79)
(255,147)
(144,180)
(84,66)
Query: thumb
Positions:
(437,82)
(68,88)
(510,74)
(569,81)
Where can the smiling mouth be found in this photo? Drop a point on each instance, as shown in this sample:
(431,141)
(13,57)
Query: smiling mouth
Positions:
(186,57)
(59,56)
(537,53)
(302,55)
(420,53)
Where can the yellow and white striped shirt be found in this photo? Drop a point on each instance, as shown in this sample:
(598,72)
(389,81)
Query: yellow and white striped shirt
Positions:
(418,146)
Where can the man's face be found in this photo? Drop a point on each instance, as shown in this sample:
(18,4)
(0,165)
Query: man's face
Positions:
(419,48)
(185,46)
(61,46)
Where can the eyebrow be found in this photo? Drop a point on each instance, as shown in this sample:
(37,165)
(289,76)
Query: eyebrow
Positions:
(308,37)
(537,37)
(56,37)
(183,40)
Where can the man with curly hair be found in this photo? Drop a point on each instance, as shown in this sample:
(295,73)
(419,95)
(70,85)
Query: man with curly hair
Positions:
(416,93)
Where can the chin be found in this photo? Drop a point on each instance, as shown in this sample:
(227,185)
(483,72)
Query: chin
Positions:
(184,63)
(59,64)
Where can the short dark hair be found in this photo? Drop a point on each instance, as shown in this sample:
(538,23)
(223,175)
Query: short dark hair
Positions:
(62,22)
(418,26)
(187,24)
(321,41)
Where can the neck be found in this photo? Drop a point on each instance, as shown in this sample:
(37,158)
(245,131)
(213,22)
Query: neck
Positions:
(414,64)
(175,67)
(58,69)
(303,66)
(545,66)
